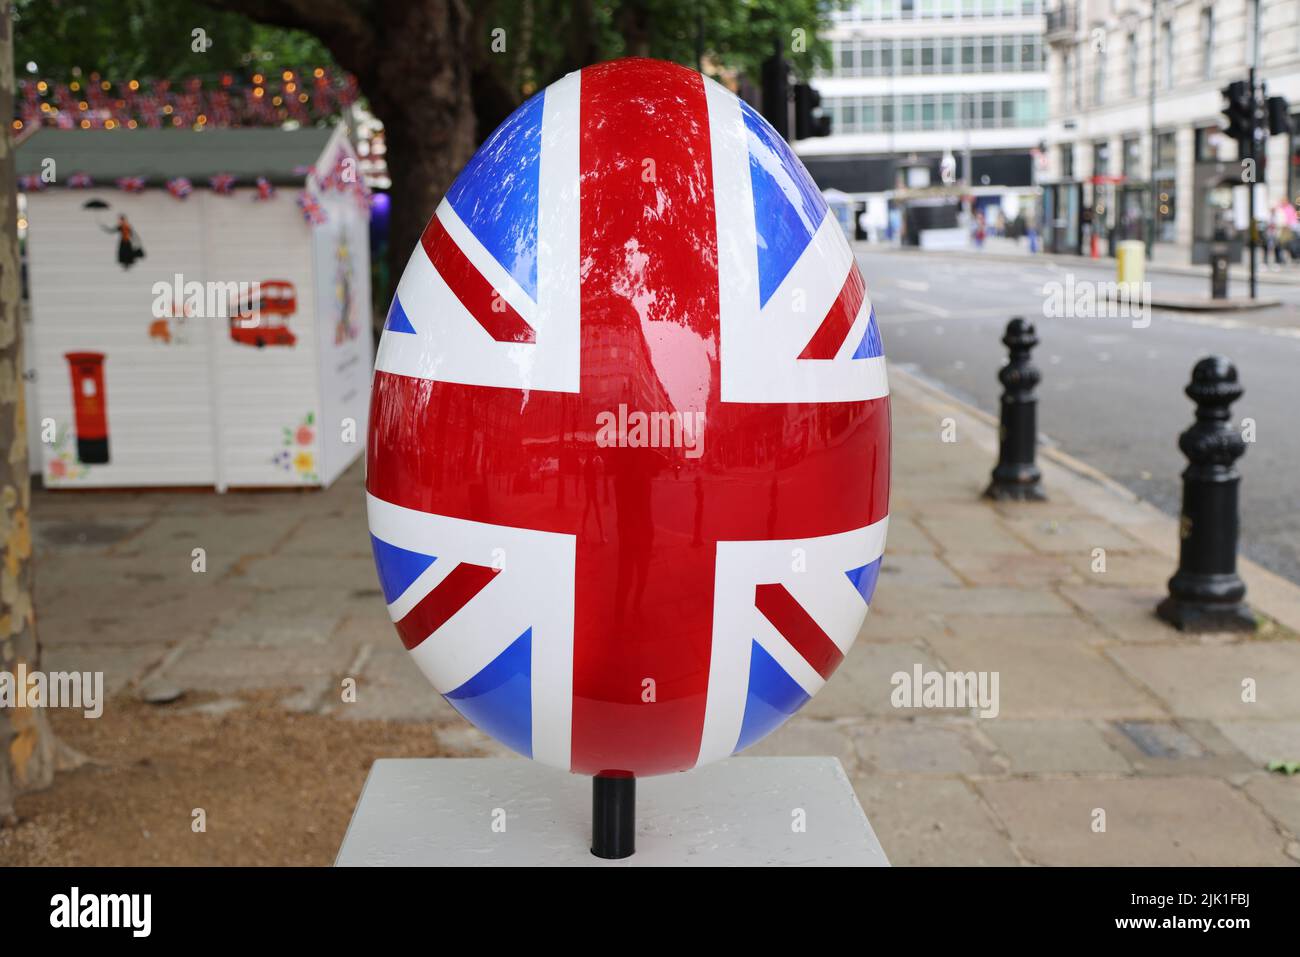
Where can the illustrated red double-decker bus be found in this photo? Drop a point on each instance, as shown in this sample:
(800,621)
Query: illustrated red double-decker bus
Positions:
(262,319)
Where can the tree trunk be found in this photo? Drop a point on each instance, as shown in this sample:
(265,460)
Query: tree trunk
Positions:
(27,748)
(420,90)
(412,60)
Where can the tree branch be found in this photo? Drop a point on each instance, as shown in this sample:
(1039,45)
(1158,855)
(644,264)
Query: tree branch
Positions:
(347,28)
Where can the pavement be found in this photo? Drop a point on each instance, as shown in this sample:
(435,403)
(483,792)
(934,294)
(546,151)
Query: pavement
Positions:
(1112,386)
(1117,740)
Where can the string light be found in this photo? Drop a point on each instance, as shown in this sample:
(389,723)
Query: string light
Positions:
(221,99)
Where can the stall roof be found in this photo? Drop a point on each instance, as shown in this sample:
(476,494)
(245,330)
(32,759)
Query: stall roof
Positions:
(159,155)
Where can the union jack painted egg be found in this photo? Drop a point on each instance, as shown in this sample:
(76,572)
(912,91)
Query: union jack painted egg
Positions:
(628,464)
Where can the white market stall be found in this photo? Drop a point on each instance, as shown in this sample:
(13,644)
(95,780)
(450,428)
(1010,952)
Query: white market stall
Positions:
(200,306)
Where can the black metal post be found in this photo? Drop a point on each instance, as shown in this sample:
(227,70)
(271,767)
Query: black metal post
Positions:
(1206,593)
(613,816)
(1016,477)
(1250,187)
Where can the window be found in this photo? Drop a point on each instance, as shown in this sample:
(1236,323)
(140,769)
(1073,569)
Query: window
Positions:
(1067,80)
(1166,151)
(1167,52)
(867,58)
(886,57)
(848,59)
(1207,42)
(1029,54)
(1009,50)
(1133,65)
(968,54)
(907,58)
(988,55)
(948,55)
(1067,161)
(1099,77)
(1100,158)
(927,56)
(1133,158)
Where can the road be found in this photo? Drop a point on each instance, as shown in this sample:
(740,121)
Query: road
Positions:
(1111,393)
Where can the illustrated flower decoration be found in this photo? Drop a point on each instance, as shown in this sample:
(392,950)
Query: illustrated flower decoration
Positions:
(296,454)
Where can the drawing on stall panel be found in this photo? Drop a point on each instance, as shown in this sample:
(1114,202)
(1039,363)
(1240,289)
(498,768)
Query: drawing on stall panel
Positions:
(89,406)
(171,326)
(129,247)
(263,317)
(346,328)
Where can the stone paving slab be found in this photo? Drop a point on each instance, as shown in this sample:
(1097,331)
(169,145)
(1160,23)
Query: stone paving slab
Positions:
(1264,741)
(1165,822)
(1061,746)
(1280,799)
(1206,681)
(1043,677)
(923,747)
(933,822)
(861,685)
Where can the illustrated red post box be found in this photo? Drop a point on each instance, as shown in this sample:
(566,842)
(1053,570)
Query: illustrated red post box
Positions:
(90,404)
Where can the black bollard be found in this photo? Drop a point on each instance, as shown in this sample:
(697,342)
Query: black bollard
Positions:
(1016,477)
(1206,593)
(613,816)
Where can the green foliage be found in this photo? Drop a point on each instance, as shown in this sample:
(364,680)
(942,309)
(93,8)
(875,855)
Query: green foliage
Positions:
(546,38)
(123,39)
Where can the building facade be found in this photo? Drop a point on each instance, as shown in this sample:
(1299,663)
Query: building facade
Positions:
(1135,100)
(915,80)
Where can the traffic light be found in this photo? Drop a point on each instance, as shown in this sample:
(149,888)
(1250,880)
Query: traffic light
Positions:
(1240,110)
(1279,115)
(776,93)
(806,121)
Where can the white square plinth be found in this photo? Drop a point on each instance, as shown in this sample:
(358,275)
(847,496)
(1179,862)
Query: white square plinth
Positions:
(507,812)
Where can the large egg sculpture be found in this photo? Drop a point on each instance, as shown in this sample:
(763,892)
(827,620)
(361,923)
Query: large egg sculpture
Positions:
(628,464)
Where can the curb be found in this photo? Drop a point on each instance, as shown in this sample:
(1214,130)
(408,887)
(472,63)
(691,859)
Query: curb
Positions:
(1193,304)
(1266,591)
